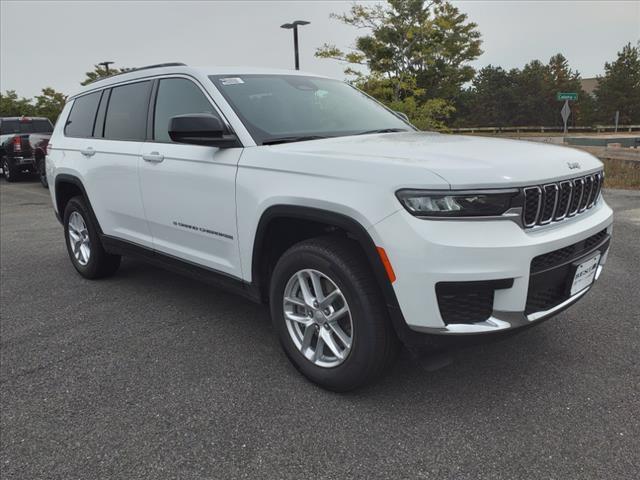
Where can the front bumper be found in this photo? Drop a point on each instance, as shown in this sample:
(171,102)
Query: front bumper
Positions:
(424,253)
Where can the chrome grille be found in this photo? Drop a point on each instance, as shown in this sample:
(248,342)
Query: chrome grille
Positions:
(564,200)
(549,203)
(555,201)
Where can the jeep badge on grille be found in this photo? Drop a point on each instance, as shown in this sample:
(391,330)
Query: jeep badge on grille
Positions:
(573,165)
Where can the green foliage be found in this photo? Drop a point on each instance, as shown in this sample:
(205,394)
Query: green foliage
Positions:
(523,97)
(49,104)
(431,114)
(13,106)
(430,43)
(415,58)
(99,72)
(414,52)
(619,89)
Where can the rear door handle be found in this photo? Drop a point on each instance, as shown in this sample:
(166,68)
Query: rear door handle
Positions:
(88,152)
(153,157)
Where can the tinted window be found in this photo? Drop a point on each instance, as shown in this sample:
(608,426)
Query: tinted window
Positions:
(41,126)
(9,126)
(25,126)
(127,112)
(177,96)
(82,116)
(102,110)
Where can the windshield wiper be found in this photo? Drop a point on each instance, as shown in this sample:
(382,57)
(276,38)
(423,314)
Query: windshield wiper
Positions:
(302,138)
(383,130)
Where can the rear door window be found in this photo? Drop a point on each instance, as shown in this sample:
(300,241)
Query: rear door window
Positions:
(82,116)
(126,117)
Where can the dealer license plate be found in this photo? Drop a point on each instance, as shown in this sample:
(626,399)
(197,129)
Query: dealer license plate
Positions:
(585,274)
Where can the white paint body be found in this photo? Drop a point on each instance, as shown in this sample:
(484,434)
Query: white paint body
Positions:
(227,191)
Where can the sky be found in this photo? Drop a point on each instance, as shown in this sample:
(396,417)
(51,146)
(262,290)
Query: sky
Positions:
(53,43)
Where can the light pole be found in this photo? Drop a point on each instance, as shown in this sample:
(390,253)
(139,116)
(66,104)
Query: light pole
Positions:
(294,26)
(106,66)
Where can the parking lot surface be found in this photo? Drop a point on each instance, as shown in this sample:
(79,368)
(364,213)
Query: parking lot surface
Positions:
(152,375)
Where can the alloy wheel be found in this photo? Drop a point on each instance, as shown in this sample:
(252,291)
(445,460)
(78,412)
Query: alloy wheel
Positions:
(318,318)
(79,238)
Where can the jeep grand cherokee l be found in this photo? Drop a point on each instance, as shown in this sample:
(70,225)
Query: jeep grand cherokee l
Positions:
(304,193)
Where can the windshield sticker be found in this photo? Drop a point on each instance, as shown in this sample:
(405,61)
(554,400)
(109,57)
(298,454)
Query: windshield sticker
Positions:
(231,81)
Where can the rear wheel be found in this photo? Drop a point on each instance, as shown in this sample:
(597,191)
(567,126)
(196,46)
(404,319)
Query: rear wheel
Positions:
(42,172)
(83,242)
(327,310)
(10,172)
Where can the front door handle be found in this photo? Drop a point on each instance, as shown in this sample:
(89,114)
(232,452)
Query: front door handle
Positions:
(153,157)
(88,152)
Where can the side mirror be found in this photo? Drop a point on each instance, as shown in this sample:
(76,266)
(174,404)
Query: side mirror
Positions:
(201,129)
(402,115)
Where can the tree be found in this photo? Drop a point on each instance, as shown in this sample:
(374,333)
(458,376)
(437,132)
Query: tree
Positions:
(619,89)
(12,106)
(491,98)
(526,97)
(414,51)
(411,39)
(50,103)
(99,72)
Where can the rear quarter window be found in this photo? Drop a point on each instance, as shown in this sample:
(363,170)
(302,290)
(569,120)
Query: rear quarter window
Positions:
(82,116)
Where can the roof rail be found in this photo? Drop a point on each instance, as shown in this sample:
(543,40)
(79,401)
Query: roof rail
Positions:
(157,65)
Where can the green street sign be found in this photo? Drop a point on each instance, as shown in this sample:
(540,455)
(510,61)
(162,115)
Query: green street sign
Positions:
(567,96)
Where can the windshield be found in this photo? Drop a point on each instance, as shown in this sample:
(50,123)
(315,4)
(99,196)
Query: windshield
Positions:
(291,107)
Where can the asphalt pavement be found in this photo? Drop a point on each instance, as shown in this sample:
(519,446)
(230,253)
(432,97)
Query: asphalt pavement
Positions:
(152,375)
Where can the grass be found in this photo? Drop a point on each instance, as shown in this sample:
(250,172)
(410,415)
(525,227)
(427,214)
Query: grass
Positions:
(621,174)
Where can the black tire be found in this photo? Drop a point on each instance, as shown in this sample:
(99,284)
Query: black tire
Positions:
(374,345)
(100,263)
(42,171)
(11,173)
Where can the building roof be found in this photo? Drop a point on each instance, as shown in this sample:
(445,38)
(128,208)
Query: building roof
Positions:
(589,84)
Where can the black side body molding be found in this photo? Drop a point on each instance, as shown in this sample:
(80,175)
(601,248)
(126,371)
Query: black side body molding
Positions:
(207,275)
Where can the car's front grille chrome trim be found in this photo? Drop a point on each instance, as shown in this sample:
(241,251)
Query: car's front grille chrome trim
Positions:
(556,201)
(530,216)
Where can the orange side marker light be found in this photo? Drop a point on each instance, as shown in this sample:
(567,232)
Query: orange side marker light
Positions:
(387,264)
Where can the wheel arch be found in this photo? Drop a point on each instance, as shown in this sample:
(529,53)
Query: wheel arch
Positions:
(331,221)
(69,186)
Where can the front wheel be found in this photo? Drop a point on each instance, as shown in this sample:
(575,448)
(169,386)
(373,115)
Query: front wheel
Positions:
(328,313)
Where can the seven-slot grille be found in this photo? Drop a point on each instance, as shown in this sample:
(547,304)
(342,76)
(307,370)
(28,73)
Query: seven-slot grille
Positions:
(555,201)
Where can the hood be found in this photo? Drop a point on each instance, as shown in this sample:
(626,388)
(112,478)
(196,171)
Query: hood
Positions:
(462,161)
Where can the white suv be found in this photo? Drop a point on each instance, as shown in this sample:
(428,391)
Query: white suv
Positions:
(302,192)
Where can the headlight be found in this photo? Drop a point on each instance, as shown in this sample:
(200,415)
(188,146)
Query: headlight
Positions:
(452,204)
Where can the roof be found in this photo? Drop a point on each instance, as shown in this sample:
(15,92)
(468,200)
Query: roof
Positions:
(145,72)
(589,84)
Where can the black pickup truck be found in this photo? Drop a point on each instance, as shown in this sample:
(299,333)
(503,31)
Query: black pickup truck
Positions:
(23,146)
